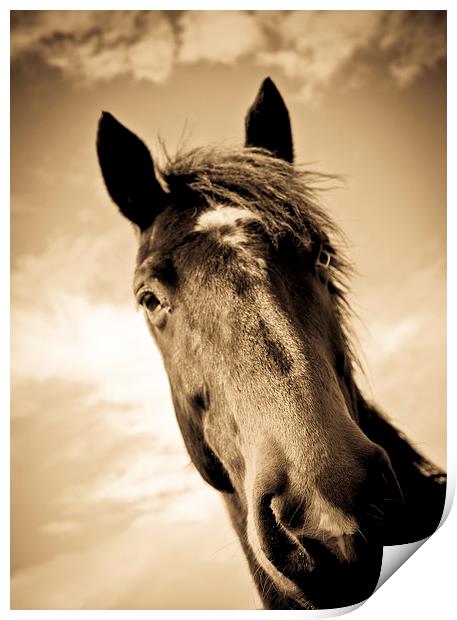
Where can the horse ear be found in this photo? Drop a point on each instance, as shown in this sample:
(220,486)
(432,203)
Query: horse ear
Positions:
(128,171)
(268,123)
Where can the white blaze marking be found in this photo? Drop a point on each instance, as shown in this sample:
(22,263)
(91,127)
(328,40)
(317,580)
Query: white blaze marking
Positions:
(224,224)
(214,219)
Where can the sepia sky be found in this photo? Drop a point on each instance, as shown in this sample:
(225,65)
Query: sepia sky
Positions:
(107,511)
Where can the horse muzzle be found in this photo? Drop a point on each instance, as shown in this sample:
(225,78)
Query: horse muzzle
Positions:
(315,552)
(322,571)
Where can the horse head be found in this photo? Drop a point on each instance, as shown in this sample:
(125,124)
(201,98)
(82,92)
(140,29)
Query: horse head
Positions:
(240,280)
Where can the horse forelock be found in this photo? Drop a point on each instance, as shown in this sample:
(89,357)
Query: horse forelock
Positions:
(250,179)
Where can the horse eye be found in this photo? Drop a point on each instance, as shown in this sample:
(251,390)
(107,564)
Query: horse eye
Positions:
(150,301)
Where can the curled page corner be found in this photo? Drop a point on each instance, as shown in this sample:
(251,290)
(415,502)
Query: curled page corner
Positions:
(394,556)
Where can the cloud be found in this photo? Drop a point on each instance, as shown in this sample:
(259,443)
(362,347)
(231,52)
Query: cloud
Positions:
(314,45)
(314,48)
(219,36)
(404,349)
(91,400)
(416,41)
(318,48)
(63,527)
(98,464)
(144,566)
(96,46)
(393,352)
(62,331)
(87,341)
(392,338)
(89,487)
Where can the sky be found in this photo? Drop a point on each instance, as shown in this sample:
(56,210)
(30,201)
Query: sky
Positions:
(104,499)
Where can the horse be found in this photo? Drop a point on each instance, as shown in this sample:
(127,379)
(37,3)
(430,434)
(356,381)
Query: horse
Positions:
(243,282)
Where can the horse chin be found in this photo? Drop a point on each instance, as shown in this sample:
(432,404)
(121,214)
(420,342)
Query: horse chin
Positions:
(284,587)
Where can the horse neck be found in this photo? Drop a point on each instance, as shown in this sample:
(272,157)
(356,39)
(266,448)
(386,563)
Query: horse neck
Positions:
(422,483)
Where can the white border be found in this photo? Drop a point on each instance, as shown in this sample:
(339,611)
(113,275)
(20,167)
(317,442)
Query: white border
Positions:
(423,586)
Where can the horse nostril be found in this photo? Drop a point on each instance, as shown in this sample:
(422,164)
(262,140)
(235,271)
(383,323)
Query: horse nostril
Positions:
(290,512)
(271,531)
(281,549)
